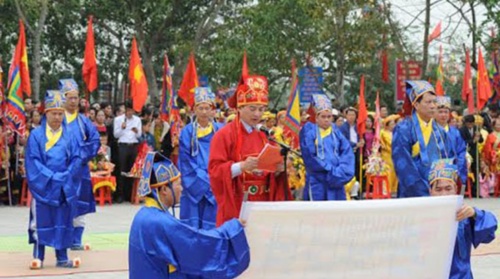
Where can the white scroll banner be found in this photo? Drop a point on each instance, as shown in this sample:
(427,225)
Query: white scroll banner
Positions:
(398,238)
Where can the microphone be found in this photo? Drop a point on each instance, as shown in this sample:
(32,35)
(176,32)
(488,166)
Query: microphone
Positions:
(264,129)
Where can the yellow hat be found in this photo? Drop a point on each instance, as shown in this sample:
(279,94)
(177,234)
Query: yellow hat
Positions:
(268,115)
(392,117)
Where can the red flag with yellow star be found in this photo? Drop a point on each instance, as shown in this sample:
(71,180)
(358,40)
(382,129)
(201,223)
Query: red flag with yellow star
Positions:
(89,69)
(138,82)
(189,82)
(18,83)
(483,83)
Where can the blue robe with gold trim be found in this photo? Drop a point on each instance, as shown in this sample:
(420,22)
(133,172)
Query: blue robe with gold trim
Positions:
(413,169)
(471,232)
(161,246)
(85,132)
(53,183)
(326,177)
(198,205)
(459,151)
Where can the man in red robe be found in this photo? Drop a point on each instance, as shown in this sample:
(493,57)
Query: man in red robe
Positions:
(233,161)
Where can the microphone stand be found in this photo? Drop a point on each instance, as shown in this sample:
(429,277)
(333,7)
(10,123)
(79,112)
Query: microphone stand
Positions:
(285,149)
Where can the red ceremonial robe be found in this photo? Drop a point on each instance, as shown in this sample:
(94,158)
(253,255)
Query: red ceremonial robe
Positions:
(233,144)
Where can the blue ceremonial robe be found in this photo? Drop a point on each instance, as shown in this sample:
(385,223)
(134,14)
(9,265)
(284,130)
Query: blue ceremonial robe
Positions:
(329,163)
(413,169)
(161,246)
(471,232)
(459,151)
(198,205)
(87,136)
(54,185)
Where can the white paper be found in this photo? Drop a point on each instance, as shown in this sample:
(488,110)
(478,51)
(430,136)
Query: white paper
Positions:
(398,238)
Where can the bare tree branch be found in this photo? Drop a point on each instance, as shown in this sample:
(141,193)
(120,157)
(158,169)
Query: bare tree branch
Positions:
(23,17)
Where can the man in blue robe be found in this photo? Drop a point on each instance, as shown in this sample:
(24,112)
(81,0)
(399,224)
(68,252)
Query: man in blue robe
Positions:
(85,132)
(52,162)
(475,226)
(198,205)
(458,146)
(161,246)
(418,140)
(327,155)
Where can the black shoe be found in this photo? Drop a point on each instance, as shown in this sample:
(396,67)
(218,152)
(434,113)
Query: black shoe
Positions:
(119,200)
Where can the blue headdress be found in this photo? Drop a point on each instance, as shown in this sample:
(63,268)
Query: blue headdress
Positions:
(54,100)
(68,85)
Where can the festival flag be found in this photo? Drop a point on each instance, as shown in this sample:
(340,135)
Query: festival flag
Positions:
(292,118)
(166,92)
(362,112)
(385,67)
(435,33)
(483,83)
(244,67)
(89,69)
(439,74)
(189,82)
(18,83)
(138,82)
(175,118)
(495,79)
(467,91)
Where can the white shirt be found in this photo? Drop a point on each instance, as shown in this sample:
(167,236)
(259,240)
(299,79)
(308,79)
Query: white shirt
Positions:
(127,135)
(353,136)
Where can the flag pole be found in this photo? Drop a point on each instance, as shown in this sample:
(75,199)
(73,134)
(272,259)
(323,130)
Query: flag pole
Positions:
(361,173)
(7,169)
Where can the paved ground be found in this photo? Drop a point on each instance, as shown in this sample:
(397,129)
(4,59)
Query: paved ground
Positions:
(108,231)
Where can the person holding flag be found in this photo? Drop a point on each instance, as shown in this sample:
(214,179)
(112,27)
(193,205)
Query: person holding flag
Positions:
(53,169)
(233,167)
(458,146)
(89,142)
(327,154)
(198,205)
(418,140)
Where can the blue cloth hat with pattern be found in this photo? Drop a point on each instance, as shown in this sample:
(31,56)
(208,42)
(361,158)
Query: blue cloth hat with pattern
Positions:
(416,88)
(443,101)
(443,169)
(203,95)
(68,85)
(321,102)
(54,100)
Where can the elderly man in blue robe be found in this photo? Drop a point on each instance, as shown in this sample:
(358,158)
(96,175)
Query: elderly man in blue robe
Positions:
(198,205)
(418,140)
(475,226)
(52,161)
(458,145)
(327,155)
(85,132)
(161,246)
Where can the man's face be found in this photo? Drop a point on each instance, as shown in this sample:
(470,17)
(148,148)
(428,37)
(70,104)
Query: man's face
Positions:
(251,114)
(497,125)
(443,187)
(108,111)
(324,119)
(351,117)
(426,108)
(469,125)
(166,196)
(129,112)
(443,116)
(383,112)
(72,101)
(203,111)
(28,104)
(54,118)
